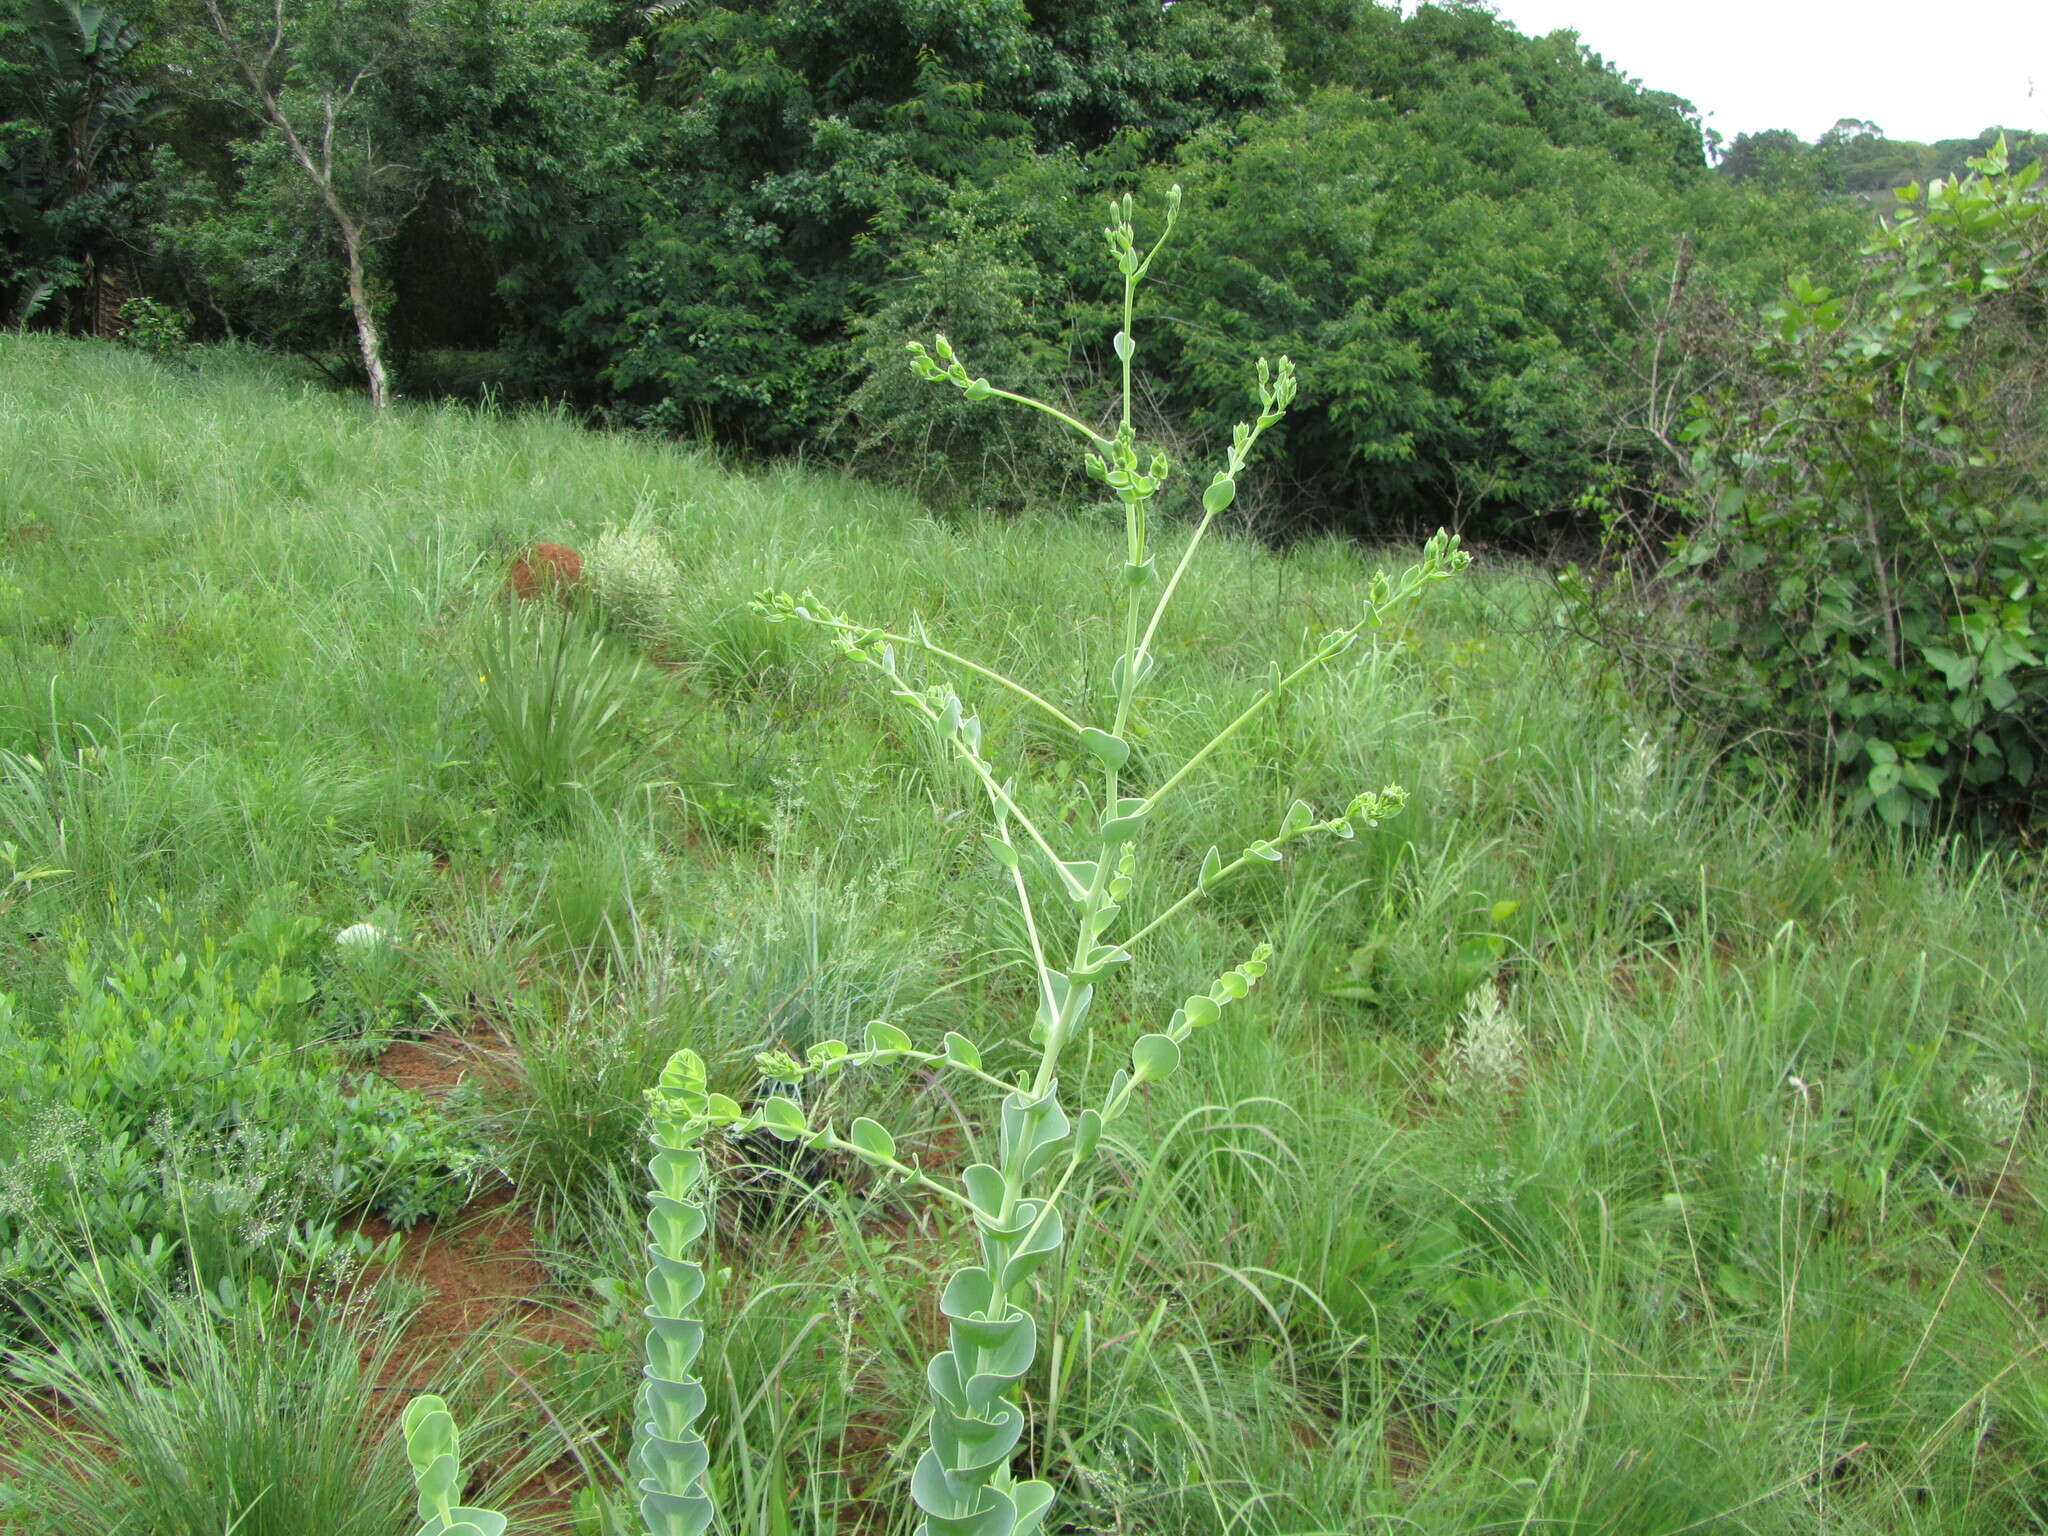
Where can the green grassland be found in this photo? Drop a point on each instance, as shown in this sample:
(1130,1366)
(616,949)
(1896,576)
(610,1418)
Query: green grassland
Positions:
(1727,1218)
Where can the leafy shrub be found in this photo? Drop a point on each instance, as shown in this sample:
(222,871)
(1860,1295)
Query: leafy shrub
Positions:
(166,1125)
(635,580)
(1864,575)
(996,272)
(162,330)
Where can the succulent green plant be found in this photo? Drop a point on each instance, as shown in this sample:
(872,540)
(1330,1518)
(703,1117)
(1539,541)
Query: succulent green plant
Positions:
(669,1457)
(433,1446)
(963,1484)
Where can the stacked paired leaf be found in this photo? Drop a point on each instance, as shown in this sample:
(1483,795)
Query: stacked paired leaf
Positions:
(669,1455)
(962,1483)
(433,1446)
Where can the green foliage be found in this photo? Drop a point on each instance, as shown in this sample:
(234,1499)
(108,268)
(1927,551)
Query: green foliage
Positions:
(260,1428)
(175,1121)
(1867,578)
(995,270)
(158,329)
(552,701)
(1856,159)
(963,1482)
(1748,1241)
(669,1458)
(433,1446)
(1431,233)
(722,221)
(68,160)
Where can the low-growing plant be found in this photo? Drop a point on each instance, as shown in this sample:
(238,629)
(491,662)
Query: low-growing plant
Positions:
(1070,904)
(168,1131)
(553,696)
(160,329)
(262,1427)
(635,580)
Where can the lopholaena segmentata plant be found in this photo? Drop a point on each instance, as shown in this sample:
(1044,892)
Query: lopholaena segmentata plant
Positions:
(963,1483)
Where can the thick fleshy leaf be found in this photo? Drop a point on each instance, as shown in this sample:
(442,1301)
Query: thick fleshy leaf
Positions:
(959,1506)
(1124,820)
(884,1036)
(1154,1057)
(1147,665)
(673,1286)
(465,1522)
(671,1464)
(668,1514)
(672,1406)
(672,1345)
(871,1141)
(676,1175)
(673,1225)
(1032,1499)
(1110,751)
(979,1318)
(782,1118)
(1032,1130)
(1087,1133)
(985,1187)
(969,1444)
(1028,1242)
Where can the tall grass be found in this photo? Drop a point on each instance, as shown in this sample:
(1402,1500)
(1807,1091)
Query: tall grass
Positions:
(1741,1232)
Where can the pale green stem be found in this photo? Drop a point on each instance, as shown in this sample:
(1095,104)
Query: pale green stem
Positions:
(1039,405)
(1240,862)
(1252,709)
(1173,581)
(976,667)
(1031,929)
(1130,341)
(832,1140)
(988,779)
(926,1059)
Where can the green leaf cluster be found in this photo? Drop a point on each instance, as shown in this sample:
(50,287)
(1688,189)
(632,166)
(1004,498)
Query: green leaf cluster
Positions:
(163,1121)
(1866,576)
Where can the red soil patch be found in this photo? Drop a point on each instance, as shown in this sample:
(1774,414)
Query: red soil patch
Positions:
(483,1279)
(479,1270)
(546,570)
(439,1062)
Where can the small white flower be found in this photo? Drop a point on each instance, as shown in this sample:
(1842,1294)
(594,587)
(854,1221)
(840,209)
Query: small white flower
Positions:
(1488,1048)
(362,939)
(1996,1110)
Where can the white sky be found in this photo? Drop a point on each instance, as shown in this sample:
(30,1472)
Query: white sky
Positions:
(1941,69)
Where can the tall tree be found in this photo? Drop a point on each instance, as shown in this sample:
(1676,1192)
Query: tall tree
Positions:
(64,164)
(309,71)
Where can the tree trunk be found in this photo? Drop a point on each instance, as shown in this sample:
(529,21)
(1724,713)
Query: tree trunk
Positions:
(366,317)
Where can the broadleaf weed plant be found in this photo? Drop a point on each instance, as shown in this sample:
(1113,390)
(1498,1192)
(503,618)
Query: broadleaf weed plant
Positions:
(963,1484)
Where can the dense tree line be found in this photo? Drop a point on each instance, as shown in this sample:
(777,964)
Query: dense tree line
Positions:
(726,218)
(1856,159)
